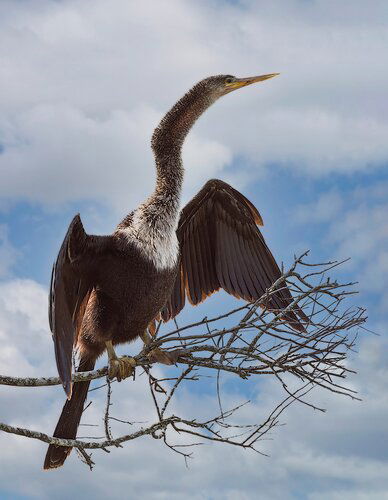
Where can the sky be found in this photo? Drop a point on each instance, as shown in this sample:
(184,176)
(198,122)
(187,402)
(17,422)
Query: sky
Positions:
(82,85)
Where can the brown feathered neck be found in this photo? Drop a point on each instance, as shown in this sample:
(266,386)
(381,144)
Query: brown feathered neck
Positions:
(156,219)
(169,136)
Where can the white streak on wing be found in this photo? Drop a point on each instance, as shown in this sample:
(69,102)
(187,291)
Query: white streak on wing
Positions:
(157,241)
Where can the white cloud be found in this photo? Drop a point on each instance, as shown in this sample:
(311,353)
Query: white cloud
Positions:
(26,341)
(84,83)
(8,254)
(103,159)
(366,494)
(323,209)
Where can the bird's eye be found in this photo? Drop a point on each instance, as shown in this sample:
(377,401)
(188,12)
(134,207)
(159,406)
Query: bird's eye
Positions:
(229,79)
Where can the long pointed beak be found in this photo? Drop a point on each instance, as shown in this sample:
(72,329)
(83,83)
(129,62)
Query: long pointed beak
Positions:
(243,82)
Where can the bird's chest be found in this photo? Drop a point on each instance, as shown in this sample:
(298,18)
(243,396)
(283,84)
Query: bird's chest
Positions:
(155,240)
(161,249)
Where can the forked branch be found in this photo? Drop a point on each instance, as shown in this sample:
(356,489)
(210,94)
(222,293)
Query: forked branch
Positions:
(247,341)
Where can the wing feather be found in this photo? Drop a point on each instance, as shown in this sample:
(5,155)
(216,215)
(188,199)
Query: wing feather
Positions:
(202,264)
(220,258)
(196,260)
(221,246)
(72,280)
(253,266)
(232,261)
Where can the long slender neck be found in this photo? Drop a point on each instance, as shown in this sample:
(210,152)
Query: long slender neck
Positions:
(168,139)
(161,209)
(152,227)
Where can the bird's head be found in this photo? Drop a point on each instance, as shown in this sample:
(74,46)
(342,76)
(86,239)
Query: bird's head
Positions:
(220,85)
(176,124)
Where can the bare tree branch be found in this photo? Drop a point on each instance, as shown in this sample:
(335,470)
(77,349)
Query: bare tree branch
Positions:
(247,341)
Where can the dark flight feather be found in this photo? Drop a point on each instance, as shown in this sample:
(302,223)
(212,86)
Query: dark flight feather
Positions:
(222,247)
(71,283)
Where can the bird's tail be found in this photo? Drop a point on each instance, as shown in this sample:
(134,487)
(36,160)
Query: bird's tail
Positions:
(70,418)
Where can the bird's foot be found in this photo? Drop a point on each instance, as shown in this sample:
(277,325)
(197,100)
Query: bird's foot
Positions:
(121,368)
(165,357)
(158,355)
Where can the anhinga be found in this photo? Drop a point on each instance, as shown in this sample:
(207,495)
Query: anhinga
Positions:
(106,290)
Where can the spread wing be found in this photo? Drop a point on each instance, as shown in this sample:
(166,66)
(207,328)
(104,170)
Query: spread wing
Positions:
(222,247)
(72,280)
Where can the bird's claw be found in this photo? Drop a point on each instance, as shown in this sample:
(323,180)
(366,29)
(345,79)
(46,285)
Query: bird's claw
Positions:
(121,368)
(165,357)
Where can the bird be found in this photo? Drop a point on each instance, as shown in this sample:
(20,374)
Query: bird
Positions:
(107,290)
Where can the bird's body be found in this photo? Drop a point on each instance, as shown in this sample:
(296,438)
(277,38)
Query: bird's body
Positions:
(106,290)
(114,312)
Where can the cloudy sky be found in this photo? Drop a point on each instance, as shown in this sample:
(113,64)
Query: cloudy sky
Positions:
(82,85)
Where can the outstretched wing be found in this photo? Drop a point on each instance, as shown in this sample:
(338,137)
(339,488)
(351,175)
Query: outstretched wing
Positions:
(222,247)
(72,280)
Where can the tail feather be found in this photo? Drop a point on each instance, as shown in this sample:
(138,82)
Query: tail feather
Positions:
(69,420)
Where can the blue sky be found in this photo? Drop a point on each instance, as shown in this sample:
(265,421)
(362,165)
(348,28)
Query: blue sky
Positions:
(82,85)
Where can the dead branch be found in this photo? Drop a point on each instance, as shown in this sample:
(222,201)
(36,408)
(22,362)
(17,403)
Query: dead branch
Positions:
(247,341)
